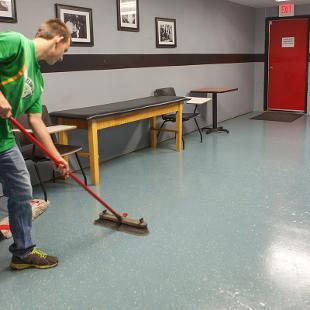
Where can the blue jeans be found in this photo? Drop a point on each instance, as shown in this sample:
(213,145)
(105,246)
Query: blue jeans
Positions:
(16,185)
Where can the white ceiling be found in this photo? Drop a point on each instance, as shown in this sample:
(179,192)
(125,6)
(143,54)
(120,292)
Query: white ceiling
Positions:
(266,3)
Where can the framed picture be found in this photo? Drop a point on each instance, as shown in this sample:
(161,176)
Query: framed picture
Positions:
(127,15)
(79,21)
(8,11)
(166,34)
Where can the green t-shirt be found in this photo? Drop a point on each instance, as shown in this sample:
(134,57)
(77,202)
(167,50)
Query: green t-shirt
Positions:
(21,81)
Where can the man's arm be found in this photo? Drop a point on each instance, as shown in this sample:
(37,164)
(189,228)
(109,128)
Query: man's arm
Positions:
(40,130)
(5,107)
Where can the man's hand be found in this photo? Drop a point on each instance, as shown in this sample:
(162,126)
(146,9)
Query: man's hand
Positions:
(5,108)
(63,167)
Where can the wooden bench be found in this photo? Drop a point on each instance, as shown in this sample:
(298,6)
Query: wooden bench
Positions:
(99,117)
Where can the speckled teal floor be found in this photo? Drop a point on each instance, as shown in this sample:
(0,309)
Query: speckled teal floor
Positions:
(229,224)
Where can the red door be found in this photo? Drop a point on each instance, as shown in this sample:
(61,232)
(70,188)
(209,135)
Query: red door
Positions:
(288,49)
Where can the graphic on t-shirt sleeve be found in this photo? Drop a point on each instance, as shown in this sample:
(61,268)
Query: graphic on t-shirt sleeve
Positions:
(28,86)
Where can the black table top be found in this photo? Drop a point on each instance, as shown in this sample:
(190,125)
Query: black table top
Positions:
(117,108)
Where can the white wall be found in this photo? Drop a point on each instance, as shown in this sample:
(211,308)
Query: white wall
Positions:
(203,26)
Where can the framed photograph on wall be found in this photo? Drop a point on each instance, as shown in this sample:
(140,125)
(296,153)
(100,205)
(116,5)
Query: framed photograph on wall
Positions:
(166,34)
(79,21)
(8,11)
(127,15)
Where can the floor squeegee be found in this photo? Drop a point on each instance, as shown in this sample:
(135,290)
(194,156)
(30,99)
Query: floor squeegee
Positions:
(121,222)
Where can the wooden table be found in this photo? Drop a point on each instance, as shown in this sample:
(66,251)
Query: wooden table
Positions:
(214,91)
(99,117)
(61,130)
(52,129)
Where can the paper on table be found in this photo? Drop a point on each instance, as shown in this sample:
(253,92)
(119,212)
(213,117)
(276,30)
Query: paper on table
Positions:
(198,100)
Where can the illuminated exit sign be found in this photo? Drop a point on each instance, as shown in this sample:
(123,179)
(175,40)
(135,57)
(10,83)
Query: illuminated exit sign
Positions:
(286,9)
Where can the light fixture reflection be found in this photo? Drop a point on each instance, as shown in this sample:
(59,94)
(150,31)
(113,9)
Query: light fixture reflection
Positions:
(288,263)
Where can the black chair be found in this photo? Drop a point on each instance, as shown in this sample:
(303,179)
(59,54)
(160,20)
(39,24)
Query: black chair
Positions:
(31,152)
(186,116)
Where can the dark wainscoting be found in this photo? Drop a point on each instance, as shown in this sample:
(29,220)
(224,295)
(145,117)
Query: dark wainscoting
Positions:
(87,62)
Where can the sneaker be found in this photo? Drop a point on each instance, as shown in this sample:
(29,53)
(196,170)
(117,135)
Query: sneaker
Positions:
(35,259)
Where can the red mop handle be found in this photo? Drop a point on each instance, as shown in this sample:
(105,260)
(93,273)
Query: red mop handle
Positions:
(4,227)
(58,162)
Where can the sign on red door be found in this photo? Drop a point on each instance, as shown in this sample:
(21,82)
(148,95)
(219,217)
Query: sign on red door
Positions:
(287,64)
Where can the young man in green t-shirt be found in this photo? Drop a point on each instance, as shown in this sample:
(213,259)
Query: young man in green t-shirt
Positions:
(21,85)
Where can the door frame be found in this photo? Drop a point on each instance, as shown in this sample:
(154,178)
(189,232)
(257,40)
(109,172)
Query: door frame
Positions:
(266,80)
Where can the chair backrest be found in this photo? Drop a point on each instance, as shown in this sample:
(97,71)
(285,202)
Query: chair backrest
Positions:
(21,139)
(167,91)
(47,121)
(46,117)
(24,144)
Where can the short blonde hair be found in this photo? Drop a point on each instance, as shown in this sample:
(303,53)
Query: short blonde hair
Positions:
(52,28)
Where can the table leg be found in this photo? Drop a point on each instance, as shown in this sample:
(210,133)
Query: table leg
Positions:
(63,139)
(214,110)
(93,151)
(153,133)
(214,118)
(179,128)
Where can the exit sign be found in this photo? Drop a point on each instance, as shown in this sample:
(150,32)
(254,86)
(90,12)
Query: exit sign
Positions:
(286,9)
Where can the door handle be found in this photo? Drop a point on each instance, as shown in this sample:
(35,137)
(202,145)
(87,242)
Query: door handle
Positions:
(270,68)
